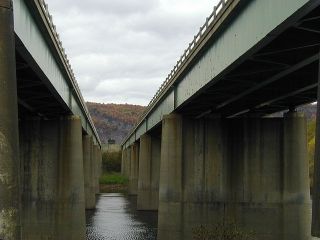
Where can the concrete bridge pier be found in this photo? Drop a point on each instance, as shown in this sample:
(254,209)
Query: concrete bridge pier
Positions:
(170,212)
(249,171)
(126,163)
(316,179)
(134,169)
(9,153)
(71,210)
(123,157)
(296,185)
(149,170)
(88,165)
(53,200)
(97,170)
(99,164)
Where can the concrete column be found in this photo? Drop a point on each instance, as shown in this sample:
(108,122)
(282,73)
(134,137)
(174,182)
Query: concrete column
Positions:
(99,166)
(134,170)
(248,171)
(96,170)
(268,172)
(53,179)
(90,198)
(71,207)
(123,160)
(129,165)
(127,162)
(170,185)
(149,172)
(316,179)
(93,169)
(9,153)
(39,144)
(193,179)
(205,179)
(99,161)
(296,191)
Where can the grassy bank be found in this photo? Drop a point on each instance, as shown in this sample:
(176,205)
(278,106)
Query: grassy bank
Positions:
(113,178)
(113,182)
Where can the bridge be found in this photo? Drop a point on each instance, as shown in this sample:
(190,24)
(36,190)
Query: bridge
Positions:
(49,148)
(206,150)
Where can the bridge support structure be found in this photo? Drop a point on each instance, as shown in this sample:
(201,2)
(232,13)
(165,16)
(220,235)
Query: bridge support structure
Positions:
(97,163)
(53,199)
(126,162)
(42,175)
(134,169)
(89,173)
(10,227)
(149,170)
(315,230)
(123,158)
(249,171)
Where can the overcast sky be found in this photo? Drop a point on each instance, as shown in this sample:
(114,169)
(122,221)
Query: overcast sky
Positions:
(122,50)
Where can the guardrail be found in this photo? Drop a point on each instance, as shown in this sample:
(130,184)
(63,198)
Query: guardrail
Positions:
(45,10)
(220,7)
(203,29)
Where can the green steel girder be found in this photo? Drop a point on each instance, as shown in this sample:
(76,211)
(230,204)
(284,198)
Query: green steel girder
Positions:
(35,42)
(245,28)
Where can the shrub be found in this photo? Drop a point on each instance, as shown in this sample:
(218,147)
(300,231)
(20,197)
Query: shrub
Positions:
(311,148)
(111,161)
(221,231)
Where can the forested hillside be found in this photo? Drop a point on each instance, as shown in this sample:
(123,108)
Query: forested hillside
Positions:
(114,121)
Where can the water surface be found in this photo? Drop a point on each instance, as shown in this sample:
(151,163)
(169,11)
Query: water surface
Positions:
(115,217)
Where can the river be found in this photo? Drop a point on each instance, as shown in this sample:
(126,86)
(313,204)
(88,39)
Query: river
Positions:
(116,218)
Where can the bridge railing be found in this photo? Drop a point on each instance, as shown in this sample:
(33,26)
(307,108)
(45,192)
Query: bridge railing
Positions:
(203,29)
(48,16)
(219,8)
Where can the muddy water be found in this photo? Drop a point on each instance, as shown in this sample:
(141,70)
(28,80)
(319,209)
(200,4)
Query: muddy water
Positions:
(115,217)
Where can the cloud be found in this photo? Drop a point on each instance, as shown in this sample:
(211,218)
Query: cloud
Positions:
(122,50)
(107,7)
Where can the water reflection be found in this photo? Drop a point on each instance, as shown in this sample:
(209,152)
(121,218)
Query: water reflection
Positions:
(115,217)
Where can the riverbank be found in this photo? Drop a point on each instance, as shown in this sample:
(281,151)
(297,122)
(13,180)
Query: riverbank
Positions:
(113,188)
(113,182)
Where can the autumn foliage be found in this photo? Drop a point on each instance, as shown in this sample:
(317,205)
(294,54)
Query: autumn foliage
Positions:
(114,121)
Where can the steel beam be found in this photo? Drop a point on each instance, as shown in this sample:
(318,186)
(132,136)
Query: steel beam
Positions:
(287,50)
(271,80)
(308,30)
(296,92)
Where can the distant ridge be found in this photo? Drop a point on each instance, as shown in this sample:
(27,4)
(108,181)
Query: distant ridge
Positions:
(114,121)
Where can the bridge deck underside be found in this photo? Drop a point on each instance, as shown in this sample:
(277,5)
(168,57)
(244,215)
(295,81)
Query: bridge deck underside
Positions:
(279,75)
(34,97)
(46,84)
